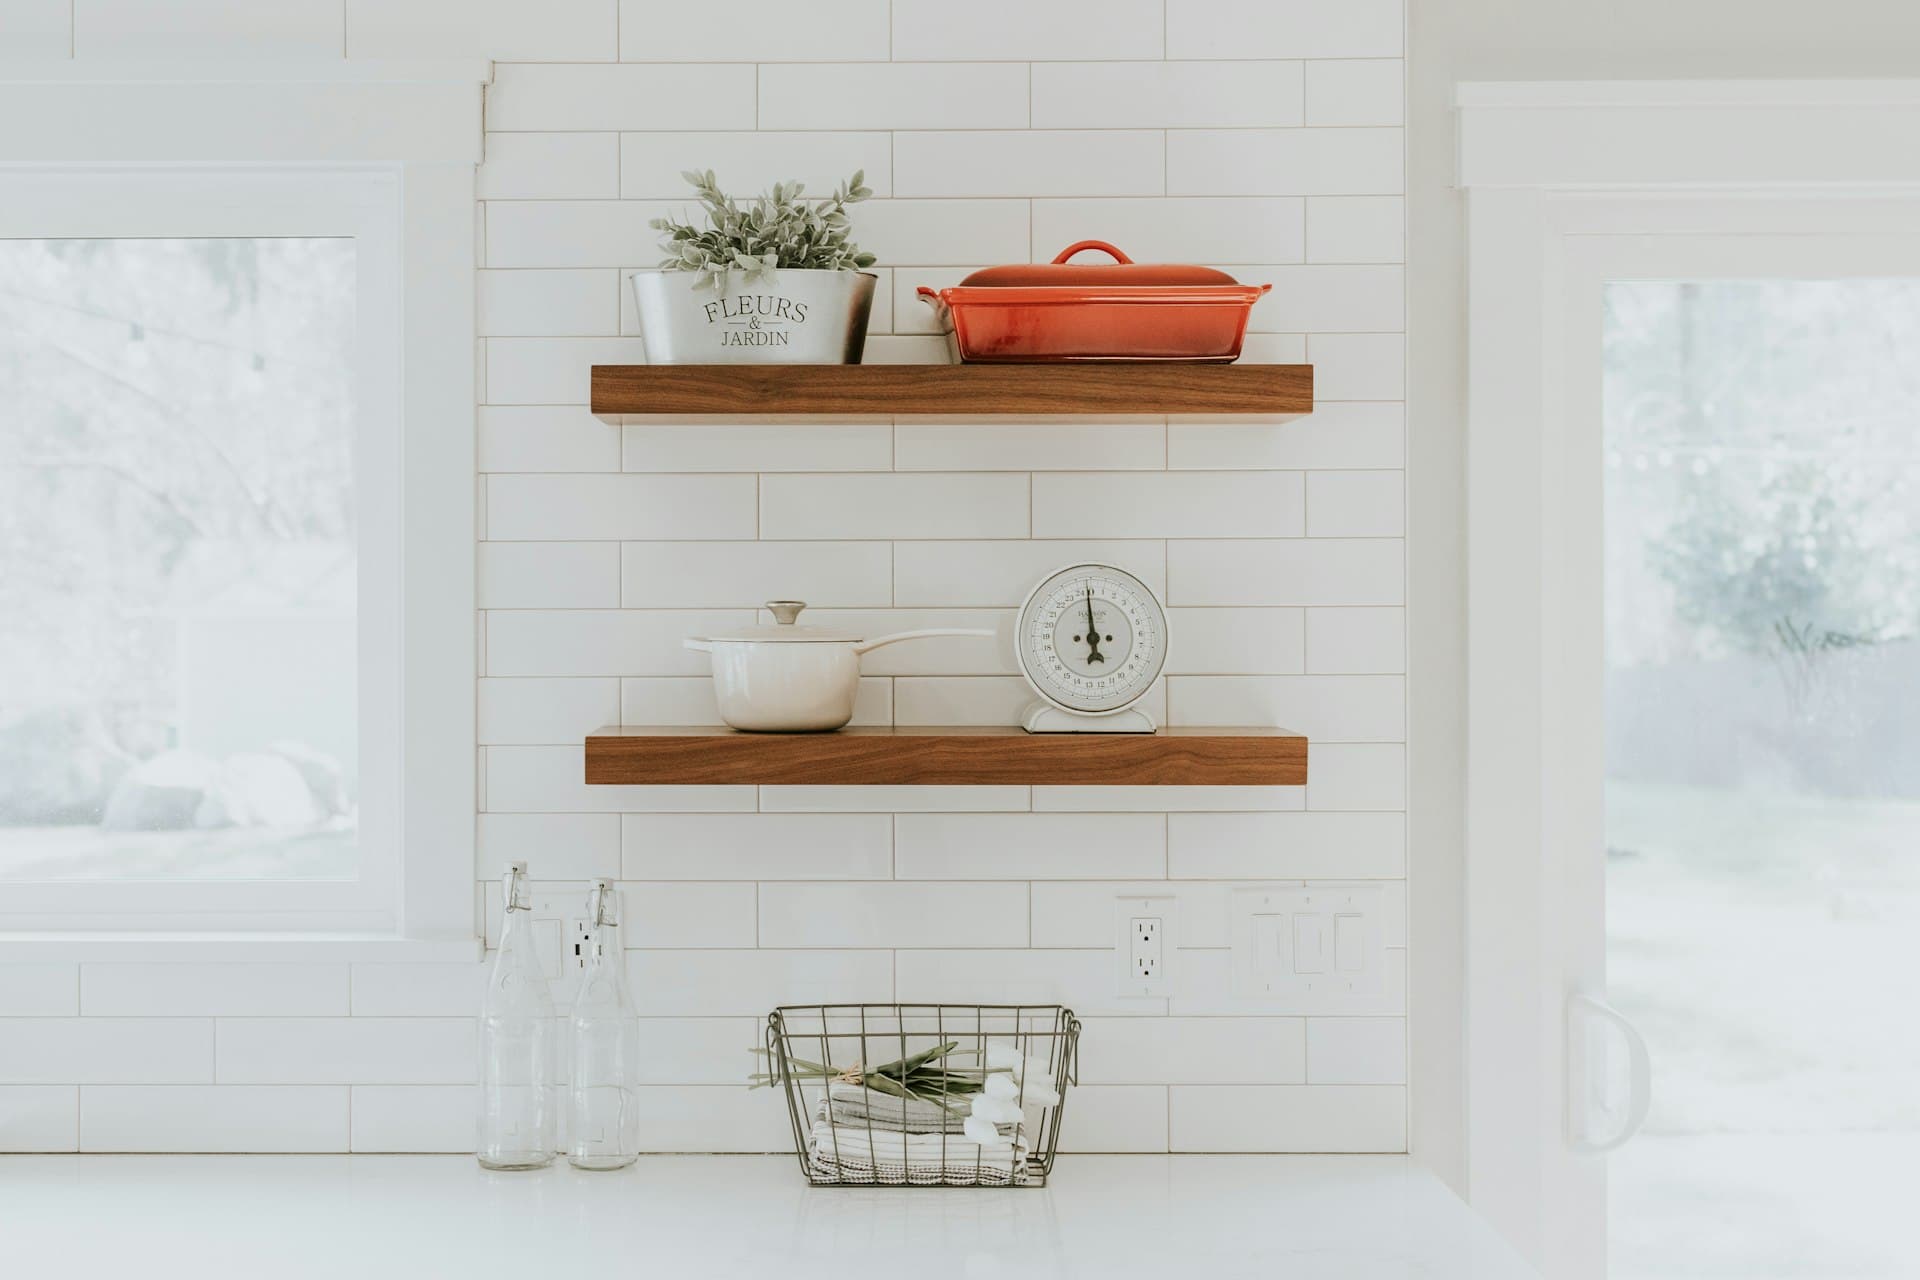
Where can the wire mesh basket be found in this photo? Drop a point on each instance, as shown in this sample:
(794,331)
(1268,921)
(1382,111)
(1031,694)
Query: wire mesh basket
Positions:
(855,1123)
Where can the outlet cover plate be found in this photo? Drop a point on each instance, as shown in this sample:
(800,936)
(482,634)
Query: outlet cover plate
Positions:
(1127,909)
(556,906)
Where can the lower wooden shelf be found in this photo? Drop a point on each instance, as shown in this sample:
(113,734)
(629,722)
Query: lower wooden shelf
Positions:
(945,756)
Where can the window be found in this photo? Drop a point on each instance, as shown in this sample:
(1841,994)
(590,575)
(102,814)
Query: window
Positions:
(1762,445)
(239,419)
(198,430)
(177,560)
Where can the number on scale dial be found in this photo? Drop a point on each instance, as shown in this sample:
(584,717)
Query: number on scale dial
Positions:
(1092,638)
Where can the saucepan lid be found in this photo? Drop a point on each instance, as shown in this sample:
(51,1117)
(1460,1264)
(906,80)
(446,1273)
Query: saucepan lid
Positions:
(785,629)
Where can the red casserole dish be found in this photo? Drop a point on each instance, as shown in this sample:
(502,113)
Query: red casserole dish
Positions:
(1119,310)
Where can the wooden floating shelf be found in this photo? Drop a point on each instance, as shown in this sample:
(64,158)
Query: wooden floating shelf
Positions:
(945,756)
(960,390)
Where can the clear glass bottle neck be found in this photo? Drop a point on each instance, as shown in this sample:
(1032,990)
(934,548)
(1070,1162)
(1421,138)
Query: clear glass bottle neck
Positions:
(605,949)
(515,924)
(603,984)
(518,950)
(516,905)
(603,915)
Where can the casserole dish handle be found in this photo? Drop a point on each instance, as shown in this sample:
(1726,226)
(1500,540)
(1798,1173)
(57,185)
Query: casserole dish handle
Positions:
(1101,245)
(699,646)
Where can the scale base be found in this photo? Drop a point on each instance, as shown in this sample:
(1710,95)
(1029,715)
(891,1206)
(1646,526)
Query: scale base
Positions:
(1044,717)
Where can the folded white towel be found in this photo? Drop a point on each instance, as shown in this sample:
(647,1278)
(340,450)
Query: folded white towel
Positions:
(844,1153)
(858,1106)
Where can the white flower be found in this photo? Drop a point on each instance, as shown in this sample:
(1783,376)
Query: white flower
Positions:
(1038,1093)
(995,1110)
(1006,1056)
(981,1130)
(1012,1074)
(1034,1091)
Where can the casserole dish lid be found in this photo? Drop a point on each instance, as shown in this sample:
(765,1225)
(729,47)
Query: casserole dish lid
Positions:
(1121,271)
(784,631)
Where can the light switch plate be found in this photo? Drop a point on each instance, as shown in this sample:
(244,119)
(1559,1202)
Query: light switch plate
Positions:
(1145,929)
(1298,943)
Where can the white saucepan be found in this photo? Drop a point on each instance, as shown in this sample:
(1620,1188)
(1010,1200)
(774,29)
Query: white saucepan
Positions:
(787,678)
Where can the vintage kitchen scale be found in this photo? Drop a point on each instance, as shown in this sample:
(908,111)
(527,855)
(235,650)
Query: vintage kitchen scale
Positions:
(1091,639)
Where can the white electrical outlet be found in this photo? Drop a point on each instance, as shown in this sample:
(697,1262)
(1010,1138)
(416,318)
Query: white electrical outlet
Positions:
(1144,946)
(579,946)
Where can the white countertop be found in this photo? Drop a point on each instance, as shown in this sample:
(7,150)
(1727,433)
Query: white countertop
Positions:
(426,1217)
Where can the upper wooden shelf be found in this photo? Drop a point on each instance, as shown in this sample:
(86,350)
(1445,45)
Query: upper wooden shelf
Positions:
(946,756)
(962,390)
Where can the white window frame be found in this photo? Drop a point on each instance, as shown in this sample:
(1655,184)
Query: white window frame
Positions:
(384,153)
(1552,172)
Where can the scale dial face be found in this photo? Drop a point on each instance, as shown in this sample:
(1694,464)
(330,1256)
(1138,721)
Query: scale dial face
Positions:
(1091,638)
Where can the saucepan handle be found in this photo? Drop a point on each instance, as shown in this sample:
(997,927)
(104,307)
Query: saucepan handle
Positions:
(898,636)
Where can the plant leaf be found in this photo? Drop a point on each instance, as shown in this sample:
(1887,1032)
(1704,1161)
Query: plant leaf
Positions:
(777,229)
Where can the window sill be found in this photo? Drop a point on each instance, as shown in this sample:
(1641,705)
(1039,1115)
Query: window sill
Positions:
(206,946)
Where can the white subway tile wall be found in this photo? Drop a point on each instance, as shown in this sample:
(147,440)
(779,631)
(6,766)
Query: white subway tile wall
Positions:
(37,29)
(1263,136)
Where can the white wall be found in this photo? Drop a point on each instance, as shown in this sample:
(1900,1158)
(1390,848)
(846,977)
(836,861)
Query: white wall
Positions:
(1263,137)
(1450,41)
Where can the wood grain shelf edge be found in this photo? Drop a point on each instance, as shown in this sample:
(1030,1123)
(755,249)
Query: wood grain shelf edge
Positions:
(944,756)
(975,390)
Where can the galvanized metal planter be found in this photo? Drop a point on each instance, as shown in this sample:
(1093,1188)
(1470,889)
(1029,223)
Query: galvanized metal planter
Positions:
(801,317)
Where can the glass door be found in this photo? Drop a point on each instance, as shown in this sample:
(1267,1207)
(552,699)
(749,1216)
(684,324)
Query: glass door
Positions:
(1760,452)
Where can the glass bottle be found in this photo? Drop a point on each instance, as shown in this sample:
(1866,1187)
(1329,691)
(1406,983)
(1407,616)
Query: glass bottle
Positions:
(604,1116)
(517,1036)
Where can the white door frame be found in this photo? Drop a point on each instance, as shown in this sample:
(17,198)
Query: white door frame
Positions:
(1547,167)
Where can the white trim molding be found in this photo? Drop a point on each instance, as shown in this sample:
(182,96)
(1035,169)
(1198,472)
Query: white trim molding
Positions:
(1554,173)
(289,112)
(417,127)
(223,71)
(234,946)
(1687,133)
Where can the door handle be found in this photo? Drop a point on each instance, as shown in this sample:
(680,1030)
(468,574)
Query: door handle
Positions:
(1639,1075)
